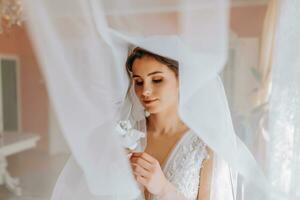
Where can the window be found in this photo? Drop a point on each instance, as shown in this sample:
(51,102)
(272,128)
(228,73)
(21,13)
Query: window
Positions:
(9,94)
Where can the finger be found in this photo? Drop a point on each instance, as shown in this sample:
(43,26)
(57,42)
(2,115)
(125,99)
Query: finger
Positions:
(129,155)
(141,155)
(143,163)
(145,156)
(142,180)
(136,154)
(138,170)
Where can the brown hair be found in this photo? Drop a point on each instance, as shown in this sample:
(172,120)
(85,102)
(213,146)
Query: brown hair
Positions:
(139,53)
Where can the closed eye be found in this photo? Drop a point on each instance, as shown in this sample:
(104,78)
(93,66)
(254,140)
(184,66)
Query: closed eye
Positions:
(157,81)
(138,83)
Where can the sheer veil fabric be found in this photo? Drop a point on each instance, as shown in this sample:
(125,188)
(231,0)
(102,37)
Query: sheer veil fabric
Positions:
(82,47)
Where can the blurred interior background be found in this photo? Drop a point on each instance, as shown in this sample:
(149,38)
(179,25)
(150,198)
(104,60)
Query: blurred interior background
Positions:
(31,144)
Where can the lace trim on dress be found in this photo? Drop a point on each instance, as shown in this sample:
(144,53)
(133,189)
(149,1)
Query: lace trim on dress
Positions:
(183,165)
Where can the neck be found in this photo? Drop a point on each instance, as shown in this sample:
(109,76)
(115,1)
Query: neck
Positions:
(165,123)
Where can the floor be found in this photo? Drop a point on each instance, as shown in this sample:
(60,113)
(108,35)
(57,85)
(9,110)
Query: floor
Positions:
(37,172)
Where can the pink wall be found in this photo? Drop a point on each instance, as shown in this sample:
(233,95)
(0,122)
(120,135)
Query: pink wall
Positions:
(34,100)
(247,21)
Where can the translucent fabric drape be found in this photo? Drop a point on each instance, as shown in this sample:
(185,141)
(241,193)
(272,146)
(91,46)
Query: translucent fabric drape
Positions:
(82,47)
(284,129)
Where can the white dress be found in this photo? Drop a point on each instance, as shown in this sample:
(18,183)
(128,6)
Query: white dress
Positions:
(182,166)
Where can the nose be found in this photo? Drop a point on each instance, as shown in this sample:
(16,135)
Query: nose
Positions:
(147,92)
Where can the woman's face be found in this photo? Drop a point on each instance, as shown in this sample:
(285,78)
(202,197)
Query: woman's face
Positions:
(155,84)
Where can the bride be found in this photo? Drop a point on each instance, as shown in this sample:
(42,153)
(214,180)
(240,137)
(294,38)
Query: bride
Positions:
(175,162)
(82,53)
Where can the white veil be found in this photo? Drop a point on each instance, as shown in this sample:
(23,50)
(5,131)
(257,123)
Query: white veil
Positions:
(82,48)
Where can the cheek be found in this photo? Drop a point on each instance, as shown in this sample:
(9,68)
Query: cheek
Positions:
(169,91)
(138,91)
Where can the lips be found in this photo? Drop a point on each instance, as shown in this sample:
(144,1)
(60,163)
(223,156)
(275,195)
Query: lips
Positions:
(148,102)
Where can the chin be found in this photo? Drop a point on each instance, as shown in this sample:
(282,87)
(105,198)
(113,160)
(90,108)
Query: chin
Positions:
(151,110)
(154,109)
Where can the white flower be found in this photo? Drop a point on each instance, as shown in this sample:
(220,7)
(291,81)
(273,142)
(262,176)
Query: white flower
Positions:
(129,136)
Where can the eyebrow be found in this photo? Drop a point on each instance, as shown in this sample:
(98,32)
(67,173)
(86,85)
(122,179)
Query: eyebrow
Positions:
(152,73)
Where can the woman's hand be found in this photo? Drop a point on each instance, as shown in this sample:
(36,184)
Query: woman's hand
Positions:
(147,171)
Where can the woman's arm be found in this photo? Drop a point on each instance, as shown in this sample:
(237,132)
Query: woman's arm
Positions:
(205,177)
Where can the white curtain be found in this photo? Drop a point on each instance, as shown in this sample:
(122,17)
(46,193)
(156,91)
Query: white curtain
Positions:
(284,128)
(82,47)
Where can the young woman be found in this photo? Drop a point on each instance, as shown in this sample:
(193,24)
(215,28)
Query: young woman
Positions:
(175,163)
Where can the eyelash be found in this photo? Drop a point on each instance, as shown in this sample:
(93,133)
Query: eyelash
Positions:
(157,81)
(140,83)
